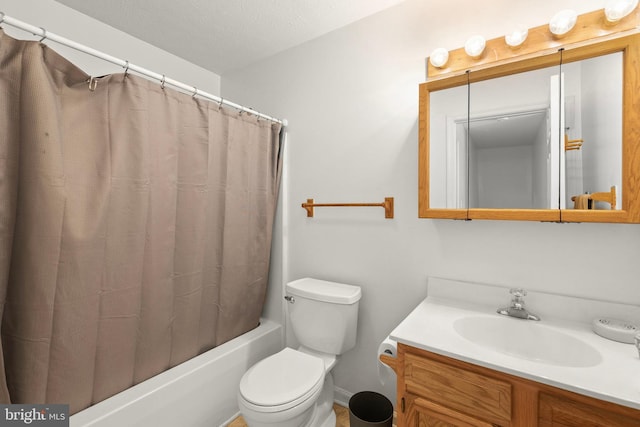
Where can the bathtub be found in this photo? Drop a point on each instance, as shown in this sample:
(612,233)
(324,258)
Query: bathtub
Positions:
(199,392)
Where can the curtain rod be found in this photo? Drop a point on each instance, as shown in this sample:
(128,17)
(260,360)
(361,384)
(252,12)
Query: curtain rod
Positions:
(39,31)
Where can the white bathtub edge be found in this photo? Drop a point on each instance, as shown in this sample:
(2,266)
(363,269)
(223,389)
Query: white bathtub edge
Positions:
(182,394)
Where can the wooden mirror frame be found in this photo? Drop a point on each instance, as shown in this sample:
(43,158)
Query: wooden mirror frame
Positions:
(592,36)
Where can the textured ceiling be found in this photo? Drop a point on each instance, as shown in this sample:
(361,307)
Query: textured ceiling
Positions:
(223,35)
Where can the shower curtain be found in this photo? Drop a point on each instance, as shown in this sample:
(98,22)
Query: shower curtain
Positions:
(135,227)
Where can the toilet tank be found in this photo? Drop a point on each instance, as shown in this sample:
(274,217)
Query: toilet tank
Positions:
(324,315)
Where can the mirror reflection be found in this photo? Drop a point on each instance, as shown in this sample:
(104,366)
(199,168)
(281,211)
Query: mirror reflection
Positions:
(509,160)
(592,156)
(447,151)
(513,141)
(544,139)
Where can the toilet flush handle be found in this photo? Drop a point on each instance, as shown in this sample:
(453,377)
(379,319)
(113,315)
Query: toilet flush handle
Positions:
(289,299)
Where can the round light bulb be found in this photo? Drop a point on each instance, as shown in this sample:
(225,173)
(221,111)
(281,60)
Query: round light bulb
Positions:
(516,37)
(475,46)
(439,57)
(562,22)
(615,10)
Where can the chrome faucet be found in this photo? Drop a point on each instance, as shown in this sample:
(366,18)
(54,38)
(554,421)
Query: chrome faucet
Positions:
(516,309)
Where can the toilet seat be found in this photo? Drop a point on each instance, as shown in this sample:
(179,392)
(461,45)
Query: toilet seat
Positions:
(282,381)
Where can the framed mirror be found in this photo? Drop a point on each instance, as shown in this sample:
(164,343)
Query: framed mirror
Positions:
(552,135)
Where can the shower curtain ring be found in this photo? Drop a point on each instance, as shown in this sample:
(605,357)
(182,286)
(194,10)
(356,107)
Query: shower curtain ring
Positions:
(2,15)
(220,102)
(163,81)
(195,92)
(93,83)
(126,68)
(44,34)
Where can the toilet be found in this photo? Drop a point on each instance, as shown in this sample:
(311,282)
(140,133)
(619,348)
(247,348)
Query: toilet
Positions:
(294,388)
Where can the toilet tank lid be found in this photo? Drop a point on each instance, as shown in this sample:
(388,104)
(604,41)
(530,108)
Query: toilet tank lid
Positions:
(322,290)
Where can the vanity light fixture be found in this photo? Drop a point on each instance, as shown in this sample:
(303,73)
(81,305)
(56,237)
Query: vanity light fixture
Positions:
(475,46)
(615,10)
(562,22)
(439,57)
(516,38)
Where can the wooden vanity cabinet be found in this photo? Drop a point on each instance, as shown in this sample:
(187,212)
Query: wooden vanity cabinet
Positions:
(471,396)
(557,411)
(423,413)
(438,391)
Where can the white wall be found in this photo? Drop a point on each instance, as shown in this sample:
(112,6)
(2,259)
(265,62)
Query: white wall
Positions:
(351,98)
(505,177)
(73,25)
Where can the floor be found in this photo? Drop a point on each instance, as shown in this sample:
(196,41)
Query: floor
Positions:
(342,418)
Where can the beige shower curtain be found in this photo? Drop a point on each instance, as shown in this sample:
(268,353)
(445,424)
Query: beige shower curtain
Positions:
(135,227)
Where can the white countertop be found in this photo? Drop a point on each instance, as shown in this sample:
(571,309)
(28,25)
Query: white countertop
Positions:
(616,378)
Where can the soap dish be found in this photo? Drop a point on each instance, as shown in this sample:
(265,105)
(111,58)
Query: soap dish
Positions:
(616,330)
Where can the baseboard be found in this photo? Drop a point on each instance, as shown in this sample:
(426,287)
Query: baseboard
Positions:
(341,396)
(231,420)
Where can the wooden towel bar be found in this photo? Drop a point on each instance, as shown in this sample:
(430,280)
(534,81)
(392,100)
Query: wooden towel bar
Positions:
(387,205)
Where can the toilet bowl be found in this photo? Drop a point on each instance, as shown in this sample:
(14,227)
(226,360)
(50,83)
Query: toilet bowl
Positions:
(282,390)
(294,388)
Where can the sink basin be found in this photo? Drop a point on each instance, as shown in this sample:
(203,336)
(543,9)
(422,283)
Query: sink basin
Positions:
(529,340)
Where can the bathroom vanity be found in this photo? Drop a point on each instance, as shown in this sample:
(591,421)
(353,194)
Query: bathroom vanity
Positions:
(459,363)
(436,390)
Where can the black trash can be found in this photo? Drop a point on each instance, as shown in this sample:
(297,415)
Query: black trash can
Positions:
(370,409)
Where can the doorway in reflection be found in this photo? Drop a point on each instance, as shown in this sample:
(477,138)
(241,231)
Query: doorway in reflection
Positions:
(509,160)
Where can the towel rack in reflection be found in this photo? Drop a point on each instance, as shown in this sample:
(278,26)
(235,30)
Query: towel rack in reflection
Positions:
(387,205)
(572,144)
(605,196)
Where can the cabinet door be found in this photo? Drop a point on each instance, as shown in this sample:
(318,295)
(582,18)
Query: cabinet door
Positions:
(423,413)
(557,411)
(459,389)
